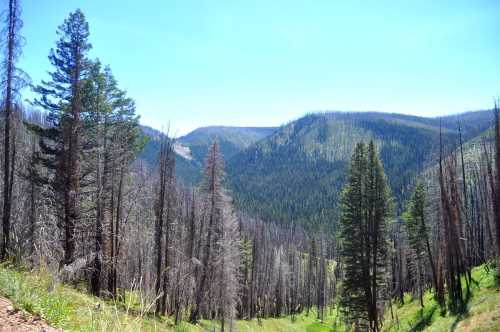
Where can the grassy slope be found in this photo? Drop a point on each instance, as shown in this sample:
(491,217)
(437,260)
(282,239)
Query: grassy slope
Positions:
(74,310)
(482,313)
(66,307)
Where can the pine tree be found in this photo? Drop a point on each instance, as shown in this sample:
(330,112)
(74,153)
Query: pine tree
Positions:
(60,143)
(418,234)
(95,98)
(365,210)
(351,239)
(378,212)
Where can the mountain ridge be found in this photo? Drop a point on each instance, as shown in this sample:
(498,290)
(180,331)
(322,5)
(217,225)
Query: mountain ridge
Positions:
(305,160)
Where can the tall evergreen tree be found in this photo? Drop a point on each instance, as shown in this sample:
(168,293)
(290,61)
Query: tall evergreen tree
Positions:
(60,143)
(94,99)
(351,238)
(418,234)
(365,210)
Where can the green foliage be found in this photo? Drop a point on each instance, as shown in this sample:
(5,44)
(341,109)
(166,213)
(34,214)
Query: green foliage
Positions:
(294,175)
(110,110)
(66,308)
(34,297)
(57,96)
(414,217)
(481,312)
(365,210)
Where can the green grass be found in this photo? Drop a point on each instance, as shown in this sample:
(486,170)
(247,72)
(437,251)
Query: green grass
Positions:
(301,323)
(74,310)
(482,311)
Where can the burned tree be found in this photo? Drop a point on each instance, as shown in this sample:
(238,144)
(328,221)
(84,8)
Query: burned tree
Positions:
(162,206)
(13,79)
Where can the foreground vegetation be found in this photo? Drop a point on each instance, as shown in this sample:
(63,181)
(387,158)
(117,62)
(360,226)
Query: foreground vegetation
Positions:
(70,308)
(482,311)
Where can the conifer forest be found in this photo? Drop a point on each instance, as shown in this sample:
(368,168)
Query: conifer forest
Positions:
(343,220)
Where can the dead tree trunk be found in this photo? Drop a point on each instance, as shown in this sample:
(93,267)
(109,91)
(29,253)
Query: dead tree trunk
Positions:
(8,169)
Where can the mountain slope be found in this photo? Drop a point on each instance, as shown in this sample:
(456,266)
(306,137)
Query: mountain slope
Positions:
(295,175)
(192,148)
(232,139)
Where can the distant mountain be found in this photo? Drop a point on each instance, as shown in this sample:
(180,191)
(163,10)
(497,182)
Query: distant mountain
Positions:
(295,174)
(231,139)
(192,148)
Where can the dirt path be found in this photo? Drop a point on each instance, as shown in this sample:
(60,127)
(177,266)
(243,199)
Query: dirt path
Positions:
(12,320)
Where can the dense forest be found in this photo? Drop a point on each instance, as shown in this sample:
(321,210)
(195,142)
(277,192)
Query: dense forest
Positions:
(333,211)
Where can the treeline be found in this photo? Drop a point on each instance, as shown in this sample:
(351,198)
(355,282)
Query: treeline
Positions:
(79,203)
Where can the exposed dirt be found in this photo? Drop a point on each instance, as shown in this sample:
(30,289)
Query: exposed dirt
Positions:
(13,320)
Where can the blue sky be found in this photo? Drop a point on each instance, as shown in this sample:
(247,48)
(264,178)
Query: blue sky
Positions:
(258,63)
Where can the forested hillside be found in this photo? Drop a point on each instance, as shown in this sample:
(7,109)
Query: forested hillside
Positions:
(277,173)
(295,174)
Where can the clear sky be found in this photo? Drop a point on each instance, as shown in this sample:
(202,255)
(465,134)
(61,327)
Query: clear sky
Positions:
(265,62)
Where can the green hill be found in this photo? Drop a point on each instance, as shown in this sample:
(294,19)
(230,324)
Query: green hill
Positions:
(295,174)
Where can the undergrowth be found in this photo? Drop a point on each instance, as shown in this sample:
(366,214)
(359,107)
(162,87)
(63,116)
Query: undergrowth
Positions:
(72,309)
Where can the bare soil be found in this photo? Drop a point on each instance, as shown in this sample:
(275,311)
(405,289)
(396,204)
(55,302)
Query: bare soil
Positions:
(14,320)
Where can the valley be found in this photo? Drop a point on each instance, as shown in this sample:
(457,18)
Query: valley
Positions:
(225,166)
